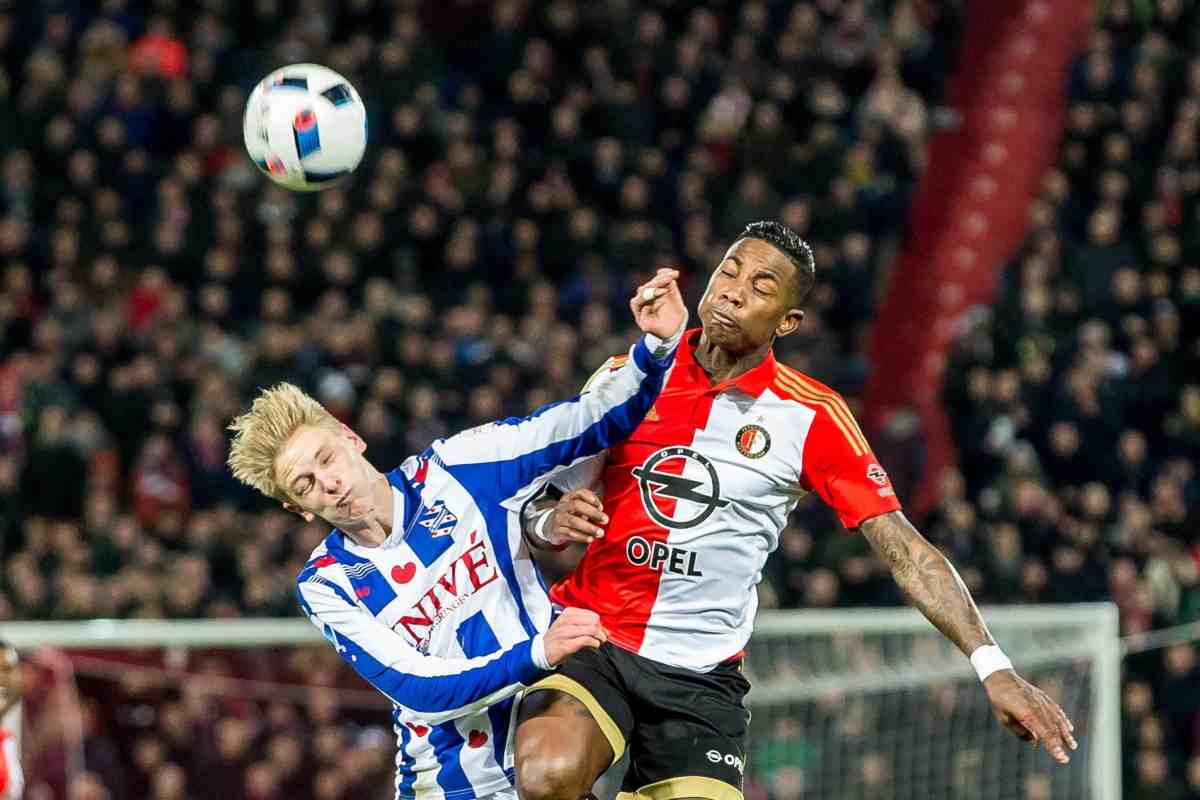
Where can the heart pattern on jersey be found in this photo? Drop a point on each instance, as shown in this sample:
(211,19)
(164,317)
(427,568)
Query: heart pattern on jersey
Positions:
(404,574)
(363,591)
(477,739)
(419,730)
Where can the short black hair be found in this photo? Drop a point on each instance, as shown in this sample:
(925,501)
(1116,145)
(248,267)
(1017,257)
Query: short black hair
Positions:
(788,242)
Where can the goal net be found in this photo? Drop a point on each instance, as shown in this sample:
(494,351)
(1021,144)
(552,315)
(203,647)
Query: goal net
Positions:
(878,704)
(846,704)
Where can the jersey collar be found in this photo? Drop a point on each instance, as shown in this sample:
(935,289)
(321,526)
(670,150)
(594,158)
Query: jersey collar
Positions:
(753,382)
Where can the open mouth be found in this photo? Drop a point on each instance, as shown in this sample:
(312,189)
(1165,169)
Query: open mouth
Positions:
(344,502)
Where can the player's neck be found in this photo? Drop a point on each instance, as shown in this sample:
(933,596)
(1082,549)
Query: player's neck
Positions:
(722,365)
(376,527)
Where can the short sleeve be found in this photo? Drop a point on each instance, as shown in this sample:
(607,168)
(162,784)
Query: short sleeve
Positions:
(840,467)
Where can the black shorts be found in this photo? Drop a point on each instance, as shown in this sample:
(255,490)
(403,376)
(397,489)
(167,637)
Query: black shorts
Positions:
(685,730)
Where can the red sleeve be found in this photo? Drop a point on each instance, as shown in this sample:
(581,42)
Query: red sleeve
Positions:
(839,466)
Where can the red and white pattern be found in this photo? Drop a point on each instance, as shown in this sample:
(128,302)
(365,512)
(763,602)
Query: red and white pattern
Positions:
(697,498)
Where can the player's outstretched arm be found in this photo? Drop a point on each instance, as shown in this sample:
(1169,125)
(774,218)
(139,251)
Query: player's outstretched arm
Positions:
(432,688)
(933,585)
(500,459)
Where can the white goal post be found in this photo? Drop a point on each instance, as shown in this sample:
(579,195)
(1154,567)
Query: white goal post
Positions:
(848,703)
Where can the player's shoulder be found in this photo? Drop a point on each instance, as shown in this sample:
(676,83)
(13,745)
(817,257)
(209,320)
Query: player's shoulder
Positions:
(792,384)
(832,417)
(322,557)
(611,364)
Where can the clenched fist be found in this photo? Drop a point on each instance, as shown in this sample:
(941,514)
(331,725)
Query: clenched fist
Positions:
(658,307)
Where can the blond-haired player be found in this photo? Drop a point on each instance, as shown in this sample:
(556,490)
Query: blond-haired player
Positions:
(424,586)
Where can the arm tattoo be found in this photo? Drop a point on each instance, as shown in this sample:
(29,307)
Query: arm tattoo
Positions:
(928,579)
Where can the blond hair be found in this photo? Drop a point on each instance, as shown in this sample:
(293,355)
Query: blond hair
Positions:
(260,433)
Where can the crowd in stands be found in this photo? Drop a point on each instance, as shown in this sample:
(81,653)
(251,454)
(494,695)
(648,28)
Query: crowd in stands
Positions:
(1076,398)
(530,163)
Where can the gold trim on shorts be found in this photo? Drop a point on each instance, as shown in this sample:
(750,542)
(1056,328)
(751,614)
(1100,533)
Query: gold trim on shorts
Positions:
(687,786)
(561,683)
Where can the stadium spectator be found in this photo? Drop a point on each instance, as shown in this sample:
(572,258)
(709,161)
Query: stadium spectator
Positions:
(529,164)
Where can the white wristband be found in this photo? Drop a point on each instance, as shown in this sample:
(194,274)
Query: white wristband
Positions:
(660,347)
(539,527)
(988,659)
(537,652)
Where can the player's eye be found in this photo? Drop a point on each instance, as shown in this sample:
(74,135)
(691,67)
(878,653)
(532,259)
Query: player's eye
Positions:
(728,273)
(304,489)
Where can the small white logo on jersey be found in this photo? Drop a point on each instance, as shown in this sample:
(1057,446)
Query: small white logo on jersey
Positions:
(728,759)
(876,473)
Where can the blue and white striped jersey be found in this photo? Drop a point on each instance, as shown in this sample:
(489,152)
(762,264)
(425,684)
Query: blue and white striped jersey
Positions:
(445,616)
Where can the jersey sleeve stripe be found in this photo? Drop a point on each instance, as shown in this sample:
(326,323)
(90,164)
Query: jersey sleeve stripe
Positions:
(837,407)
(838,412)
(837,400)
(824,404)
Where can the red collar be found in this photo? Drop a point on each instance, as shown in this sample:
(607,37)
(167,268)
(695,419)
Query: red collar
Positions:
(753,382)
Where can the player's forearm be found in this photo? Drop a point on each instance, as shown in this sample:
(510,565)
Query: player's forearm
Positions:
(928,579)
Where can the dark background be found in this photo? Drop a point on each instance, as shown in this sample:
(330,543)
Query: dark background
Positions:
(529,164)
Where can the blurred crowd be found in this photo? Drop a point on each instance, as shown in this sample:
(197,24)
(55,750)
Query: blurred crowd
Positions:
(1077,400)
(251,724)
(530,163)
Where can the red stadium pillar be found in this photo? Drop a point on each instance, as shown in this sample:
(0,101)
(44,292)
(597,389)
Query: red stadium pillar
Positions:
(969,214)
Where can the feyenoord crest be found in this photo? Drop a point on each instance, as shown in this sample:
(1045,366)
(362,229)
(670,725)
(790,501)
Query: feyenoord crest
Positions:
(672,500)
(753,441)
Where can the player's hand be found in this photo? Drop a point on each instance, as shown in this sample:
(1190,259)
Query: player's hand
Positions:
(1030,714)
(575,629)
(665,314)
(577,517)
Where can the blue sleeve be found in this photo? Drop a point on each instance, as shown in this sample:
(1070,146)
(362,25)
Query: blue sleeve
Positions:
(499,459)
(436,689)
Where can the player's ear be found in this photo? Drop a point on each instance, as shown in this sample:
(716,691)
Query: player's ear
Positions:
(354,438)
(790,322)
(307,516)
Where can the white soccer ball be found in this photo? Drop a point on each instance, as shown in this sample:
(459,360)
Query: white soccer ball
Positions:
(305,127)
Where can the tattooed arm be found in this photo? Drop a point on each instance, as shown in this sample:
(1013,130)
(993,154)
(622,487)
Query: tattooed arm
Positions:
(928,579)
(932,584)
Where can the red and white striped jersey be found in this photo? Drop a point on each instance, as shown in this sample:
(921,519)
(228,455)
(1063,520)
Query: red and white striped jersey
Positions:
(698,496)
(12,778)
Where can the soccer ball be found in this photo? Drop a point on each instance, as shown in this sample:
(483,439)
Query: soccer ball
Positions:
(305,127)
